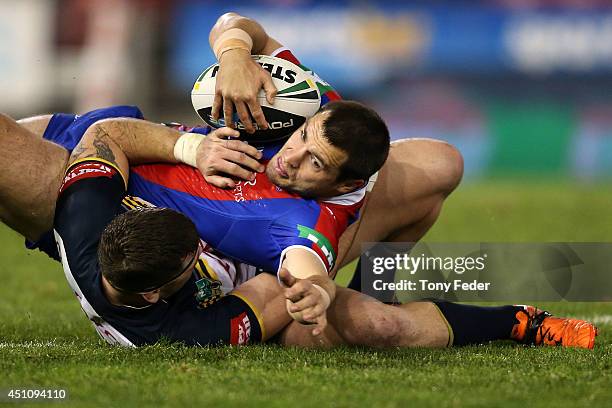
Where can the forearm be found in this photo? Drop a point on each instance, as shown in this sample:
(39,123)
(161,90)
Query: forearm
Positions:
(233,20)
(141,141)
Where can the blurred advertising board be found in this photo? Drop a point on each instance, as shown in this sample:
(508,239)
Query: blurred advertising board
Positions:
(493,81)
(26,63)
(355,45)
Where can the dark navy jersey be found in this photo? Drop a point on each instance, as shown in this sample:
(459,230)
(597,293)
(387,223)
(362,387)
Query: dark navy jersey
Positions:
(198,314)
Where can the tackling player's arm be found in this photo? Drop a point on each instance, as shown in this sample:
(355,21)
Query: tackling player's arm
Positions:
(233,39)
(217,158)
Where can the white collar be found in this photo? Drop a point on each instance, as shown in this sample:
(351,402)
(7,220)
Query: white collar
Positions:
(348,198)
(354,196)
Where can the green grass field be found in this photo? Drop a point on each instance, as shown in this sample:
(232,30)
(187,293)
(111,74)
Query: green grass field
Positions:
(45,340)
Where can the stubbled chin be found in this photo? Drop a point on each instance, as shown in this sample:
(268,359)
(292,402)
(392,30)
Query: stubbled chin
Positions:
(275,178)
(271,174)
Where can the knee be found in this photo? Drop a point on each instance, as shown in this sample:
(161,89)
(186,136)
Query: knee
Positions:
(436,161)
(388,330)
(451,168)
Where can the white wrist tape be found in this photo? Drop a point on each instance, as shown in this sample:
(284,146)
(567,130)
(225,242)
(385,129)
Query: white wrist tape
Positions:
(186,148)
(326,297)
(234,38)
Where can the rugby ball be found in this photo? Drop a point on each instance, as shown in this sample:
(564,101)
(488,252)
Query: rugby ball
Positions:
(297,99)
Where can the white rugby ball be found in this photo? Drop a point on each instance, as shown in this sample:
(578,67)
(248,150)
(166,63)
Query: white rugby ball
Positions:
(298,98)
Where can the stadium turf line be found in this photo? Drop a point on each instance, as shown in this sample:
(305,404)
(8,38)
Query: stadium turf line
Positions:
(45,341)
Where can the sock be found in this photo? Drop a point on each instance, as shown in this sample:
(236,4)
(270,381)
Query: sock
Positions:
(478,324)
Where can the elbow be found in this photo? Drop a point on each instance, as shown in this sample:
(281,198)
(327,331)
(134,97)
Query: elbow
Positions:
(448,168)
(228,18)
(455,168)
(225,22)
(232,20)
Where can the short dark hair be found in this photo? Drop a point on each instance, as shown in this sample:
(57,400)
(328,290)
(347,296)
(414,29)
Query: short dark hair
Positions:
(361,133)
(143,249)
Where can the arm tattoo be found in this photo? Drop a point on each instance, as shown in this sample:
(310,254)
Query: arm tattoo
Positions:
(78,152)
(100,142)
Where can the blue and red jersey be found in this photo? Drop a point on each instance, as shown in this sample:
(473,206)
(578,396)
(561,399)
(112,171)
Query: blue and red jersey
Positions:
(255,222)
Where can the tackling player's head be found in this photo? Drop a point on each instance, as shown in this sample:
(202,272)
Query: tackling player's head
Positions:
(148,251)
(334,152)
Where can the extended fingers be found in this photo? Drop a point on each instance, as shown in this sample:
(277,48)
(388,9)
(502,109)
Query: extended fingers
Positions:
(243,159)
(269,87)
(218,142)
(258,114)
(220,165)
(228,111)
(223,133)
(297,291)
(220,181)
(243,114)
(233,157)
(304,303)
(217,103)
(313,313)
(321,323)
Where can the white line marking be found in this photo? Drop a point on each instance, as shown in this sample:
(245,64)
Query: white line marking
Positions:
(38,344)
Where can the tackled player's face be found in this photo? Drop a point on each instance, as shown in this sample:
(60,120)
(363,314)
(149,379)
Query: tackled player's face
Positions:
(177,283)
(308,164)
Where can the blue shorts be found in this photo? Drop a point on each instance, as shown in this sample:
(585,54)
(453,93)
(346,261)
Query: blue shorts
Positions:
(67,129)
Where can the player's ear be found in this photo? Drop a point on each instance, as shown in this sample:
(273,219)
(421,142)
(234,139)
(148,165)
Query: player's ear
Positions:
(350,185)
(151,297)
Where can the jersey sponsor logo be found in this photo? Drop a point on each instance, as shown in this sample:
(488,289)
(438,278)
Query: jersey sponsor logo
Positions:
(208,292)
(239,190)
(87,170)
(280,124)
(240,329)
(320,241)
(278,72)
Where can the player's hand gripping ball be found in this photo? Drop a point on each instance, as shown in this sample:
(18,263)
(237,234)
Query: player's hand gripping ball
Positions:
(297,99)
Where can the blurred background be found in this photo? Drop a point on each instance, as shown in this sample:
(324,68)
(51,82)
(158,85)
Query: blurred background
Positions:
(521,87)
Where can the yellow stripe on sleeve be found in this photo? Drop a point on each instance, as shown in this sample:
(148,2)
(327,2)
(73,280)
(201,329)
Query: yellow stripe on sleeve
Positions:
(211,271)
(200,268)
